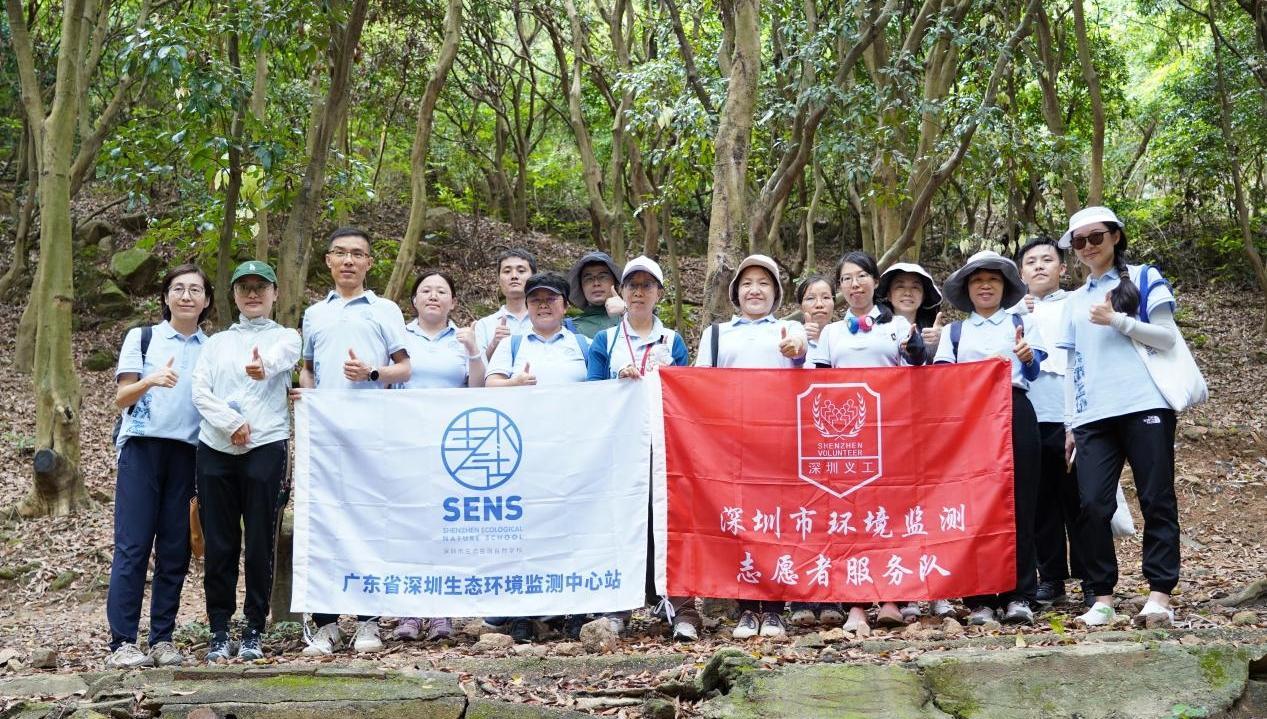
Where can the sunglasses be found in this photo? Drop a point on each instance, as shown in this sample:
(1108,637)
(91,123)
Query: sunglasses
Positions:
(1095,238)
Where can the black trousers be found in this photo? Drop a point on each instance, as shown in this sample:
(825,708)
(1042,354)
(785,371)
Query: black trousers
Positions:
(240,494)
(1054,528)
(1025,452)
(1146,440)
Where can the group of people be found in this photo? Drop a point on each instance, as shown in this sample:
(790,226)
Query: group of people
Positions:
(210,415)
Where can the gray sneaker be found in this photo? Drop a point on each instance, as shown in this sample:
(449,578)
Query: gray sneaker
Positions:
(250,649)
(980,616)
(165,654)
(128,656)
(1018,613)
(218,649)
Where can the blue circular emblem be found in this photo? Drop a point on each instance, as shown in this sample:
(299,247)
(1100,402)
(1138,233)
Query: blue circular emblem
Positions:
(481,448)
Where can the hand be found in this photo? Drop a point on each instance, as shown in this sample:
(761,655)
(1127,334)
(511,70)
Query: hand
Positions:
(812,330)
(1029,302)
(466,335)
(1102,314)
(255,368)
(629,372)
(526,377)
(164,376)
(932,335)
(354,369)
(297,393)
(1070,446)
(909,336)
(242,435)
(615,306)
(1022,349)
(790,347)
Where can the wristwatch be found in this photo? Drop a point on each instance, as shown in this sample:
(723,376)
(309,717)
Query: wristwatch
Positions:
(374,375)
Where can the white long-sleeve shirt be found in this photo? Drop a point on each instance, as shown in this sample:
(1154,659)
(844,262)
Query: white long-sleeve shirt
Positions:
(227,397)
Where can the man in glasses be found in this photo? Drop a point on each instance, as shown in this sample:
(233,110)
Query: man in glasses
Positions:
(352,339)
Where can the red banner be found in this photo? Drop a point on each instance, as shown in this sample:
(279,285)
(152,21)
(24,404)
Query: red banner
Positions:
(860,485)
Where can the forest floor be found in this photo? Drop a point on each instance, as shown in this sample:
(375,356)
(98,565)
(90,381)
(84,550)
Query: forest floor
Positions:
(54,571)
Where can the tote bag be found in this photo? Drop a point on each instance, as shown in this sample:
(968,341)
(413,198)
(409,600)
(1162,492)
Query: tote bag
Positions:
(1174,371)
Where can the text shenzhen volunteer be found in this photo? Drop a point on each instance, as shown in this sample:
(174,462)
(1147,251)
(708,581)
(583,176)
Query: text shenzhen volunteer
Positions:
(843,485)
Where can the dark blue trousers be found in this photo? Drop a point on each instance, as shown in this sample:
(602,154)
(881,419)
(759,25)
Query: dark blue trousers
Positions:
(151,513)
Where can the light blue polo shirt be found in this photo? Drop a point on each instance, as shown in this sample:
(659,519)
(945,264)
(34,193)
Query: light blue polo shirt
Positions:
(557,360)
(749,343)
(436,363)
(1109,378)
(1047,392)
(370,325)
(162,412)
(985,337)
(880,347)
(485,327)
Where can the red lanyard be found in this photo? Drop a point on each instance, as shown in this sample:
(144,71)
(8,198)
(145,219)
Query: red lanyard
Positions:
(642,371)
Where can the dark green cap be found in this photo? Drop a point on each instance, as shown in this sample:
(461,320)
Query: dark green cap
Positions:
(254,267)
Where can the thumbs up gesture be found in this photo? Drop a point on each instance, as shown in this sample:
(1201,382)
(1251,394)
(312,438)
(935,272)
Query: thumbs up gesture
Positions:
(525,377)
(1029,302)
(466,335)
(164,376)
(500,332)
(354,369)
(932,335)
(790,347)
(812,330)
(255,368)
(614,304)
(1102,313)
(905,341)
(1022,349)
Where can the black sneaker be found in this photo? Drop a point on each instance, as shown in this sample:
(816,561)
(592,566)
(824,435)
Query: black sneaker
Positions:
(250,649)
(572,625)
(218,650)
(1050,592)
(521,630)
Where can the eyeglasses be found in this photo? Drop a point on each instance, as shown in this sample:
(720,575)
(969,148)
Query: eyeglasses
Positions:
(252,289)
(854,279)
(193,291)
(643,287)
(1095,238)
(344,254)
(544,300)
(595,277)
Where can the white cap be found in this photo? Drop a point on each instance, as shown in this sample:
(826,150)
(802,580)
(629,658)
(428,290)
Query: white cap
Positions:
(642,263)
(1084,217)
(765,263)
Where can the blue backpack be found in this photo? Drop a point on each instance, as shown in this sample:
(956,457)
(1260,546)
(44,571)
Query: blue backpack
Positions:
(581,341)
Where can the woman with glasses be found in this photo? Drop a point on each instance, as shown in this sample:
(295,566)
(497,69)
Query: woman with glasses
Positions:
(869,335)
(239,387)
(1117,414)
(157,439)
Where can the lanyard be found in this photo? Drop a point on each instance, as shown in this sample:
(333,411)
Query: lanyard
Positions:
(646,351)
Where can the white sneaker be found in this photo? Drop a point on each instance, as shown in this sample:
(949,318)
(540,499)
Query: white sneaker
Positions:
(366,638)
(910,611)
(981,615)
(1018,613)
(165,654)
(327,640)
(1099,615)
(617,624)
(747,627)
(1154,615)
(942,608)
(772,625)
(128,656)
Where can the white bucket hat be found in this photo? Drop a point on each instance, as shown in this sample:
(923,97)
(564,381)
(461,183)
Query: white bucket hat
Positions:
(1084,217)
(932,295)
(765,263)
(642,263)
(956,286)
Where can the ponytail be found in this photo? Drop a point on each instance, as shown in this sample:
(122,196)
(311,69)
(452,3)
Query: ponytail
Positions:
(1125,296)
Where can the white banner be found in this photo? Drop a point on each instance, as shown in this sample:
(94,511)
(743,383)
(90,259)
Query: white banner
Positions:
(472,502)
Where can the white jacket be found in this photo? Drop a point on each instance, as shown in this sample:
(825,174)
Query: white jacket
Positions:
(227,397)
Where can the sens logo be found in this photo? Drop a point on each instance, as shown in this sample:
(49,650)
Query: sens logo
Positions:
(838,437)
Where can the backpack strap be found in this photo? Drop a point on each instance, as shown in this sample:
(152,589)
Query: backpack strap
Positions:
(1146,287)
(515,341)
(584,343)
(569,324)
(715,331)
(1017,321)
(147,334)
(956,331)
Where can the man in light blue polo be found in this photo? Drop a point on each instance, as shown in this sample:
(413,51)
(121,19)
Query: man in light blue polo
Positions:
(514,267)
(353,339)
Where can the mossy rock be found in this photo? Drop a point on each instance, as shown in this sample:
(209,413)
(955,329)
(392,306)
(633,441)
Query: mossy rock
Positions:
(101,359)
(110,301)
(135,269)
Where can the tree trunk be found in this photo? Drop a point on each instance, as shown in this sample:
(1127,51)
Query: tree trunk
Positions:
(296,245)
(728,217)
(1095,183)
(18,268)
(402,272)
(1048,81)
(259,108)
(232,191)
(1234,161)
(58,486)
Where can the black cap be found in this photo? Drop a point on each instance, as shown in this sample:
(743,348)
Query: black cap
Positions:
(552,281)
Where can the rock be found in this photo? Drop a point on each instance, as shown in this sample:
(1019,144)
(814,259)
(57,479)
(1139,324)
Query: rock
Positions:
(478,628)
(63,580)
(656,708)
(724,669)
(828,654)
(809,641)
(494,643)
(951,627)
(101,359)
(42,658)
(15,665)
(6,654)
(135,269)
(1189,640)
(598,637)
(913,630)
(531,650)
(110,301)
(90,714)
(202,713)
(1244,618)
(991,626)
(1247,595)
(720,608)
(568,649)
(828,690)
(834,635)
(43,685)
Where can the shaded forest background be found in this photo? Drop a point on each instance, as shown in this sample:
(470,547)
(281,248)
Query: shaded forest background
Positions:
(138,133)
